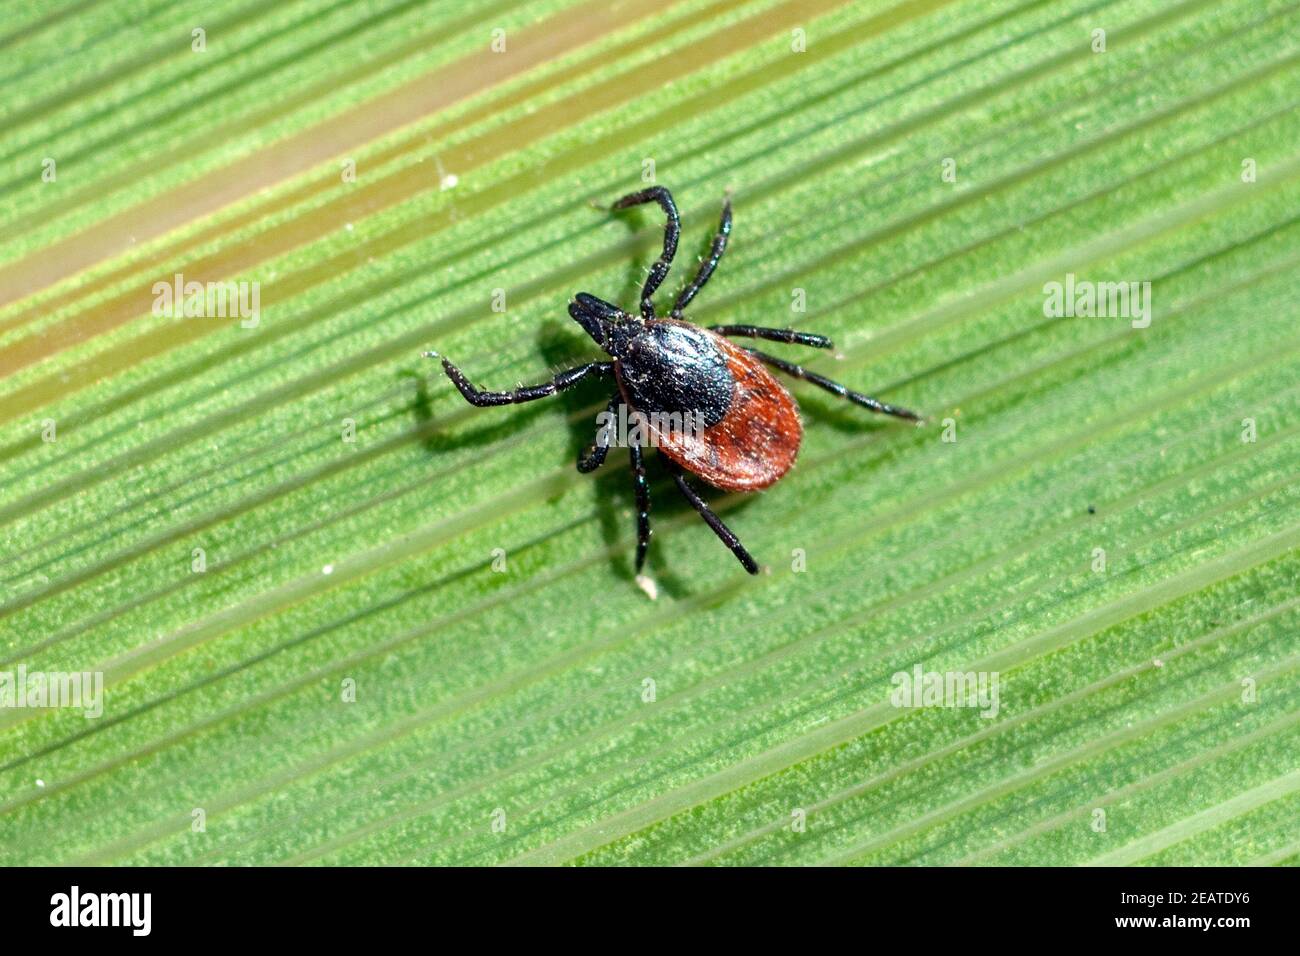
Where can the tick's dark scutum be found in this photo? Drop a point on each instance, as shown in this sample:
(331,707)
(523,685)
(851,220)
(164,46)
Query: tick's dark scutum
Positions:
(675,367)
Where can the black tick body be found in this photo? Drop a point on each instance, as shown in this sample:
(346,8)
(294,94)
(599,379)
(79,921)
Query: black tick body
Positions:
(710,406)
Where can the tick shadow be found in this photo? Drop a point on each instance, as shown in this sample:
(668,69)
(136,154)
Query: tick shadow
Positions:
(612,482)
(613,488)
(634,221)
(435,403)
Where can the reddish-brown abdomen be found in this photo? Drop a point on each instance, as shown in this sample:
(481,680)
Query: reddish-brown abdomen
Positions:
(757,440)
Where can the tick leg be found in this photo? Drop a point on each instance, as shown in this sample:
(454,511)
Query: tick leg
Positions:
(596,452)
(672,229)
(713,521)
(527,393)
(835,388)
(642,488)
(789,336)
(708,265)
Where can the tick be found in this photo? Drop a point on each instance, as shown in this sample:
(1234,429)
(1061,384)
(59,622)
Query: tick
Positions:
(746,430)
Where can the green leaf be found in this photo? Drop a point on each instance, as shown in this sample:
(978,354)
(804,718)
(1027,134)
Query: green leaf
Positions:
(342,618)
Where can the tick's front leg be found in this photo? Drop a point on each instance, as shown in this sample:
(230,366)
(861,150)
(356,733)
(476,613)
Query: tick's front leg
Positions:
(526,393)
(716,249)
(672,230)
